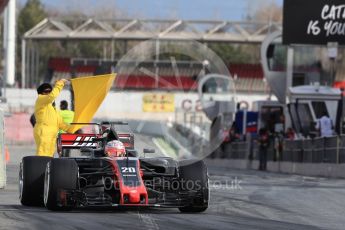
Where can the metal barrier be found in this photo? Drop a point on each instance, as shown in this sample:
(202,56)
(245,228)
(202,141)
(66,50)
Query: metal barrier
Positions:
(241,149)
(288,147)
(318,150)
(331,150)
(271,154)
(2,152)
(297,151)
(341,157)
(292,151)
(227,150)
(307,146)
(234,151)
(256,154)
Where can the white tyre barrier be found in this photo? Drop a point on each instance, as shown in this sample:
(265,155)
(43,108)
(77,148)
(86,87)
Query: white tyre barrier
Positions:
(2,152)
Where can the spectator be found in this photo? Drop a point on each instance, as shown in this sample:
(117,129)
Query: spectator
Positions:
(290,134)
(279,126)
(325,125)
(279,137)
(233,136)
(264,142)
(67,115)
(33,120)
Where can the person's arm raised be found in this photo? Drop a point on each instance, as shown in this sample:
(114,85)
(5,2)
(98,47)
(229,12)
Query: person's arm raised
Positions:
(49,98)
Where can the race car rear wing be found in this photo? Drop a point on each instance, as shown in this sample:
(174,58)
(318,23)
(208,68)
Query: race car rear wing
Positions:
(67,140)
(80,140)
(91,139)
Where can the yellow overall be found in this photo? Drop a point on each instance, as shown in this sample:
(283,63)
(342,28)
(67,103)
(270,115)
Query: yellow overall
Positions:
(48,122)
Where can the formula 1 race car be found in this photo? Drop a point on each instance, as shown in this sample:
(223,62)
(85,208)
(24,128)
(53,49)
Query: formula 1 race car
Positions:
(87,174)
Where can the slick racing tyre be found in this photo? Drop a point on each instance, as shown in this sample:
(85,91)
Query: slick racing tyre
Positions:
(194,179)
(60,175)
(31,180)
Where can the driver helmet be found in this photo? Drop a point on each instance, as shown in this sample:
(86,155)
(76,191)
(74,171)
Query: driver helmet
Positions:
(115,148)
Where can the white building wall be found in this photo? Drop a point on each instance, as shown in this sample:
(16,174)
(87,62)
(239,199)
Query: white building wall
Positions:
(117,105)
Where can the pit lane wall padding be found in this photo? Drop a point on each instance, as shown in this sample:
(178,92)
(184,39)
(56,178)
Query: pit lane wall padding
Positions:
(304,169)
(2,152)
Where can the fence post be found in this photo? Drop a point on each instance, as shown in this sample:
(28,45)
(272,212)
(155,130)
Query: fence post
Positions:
(289,147)
(2,152)
(307,150)
(338,149)
(318,150)
(330,149)
(342,150)
(227,150)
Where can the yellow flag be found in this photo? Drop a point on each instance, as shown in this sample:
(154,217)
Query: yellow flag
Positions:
(89,93)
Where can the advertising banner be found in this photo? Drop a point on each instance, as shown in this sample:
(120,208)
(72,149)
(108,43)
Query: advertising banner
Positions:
(314,22)
(158,102)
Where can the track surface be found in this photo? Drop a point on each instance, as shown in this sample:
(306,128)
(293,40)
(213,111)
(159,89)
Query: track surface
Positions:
(239,200)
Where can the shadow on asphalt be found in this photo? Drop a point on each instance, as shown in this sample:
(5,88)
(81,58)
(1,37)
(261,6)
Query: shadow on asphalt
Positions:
(93,209)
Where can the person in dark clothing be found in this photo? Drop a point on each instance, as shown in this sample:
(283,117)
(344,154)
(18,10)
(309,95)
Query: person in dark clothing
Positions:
(33,120)
(264,142)
(290,134)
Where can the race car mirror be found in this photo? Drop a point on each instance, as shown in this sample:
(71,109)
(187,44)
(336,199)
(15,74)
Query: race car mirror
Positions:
(148,151)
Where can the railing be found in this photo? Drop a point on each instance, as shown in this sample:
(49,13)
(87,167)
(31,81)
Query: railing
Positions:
(317,150)
(237,150)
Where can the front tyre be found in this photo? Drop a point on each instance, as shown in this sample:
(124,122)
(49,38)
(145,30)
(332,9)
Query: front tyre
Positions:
(31,180)
(61,175)
(197,173)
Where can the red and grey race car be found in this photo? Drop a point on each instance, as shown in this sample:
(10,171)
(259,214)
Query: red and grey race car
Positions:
(86,175)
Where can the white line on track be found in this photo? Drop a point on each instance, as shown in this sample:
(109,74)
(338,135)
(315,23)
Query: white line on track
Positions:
(148,221)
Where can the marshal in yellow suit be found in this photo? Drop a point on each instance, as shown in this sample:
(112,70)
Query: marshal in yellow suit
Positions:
(48,120)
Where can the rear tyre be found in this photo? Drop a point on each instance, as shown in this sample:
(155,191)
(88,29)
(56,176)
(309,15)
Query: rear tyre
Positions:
(60,175)
(197,173)
(31,180)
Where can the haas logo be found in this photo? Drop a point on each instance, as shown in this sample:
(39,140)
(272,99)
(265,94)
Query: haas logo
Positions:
(84,141)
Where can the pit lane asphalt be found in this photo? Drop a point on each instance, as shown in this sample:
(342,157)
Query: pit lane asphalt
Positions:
(239,200)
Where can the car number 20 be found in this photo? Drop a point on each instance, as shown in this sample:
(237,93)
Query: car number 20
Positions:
(128,169)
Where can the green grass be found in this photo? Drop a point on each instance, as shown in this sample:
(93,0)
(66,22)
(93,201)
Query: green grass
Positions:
(168,149)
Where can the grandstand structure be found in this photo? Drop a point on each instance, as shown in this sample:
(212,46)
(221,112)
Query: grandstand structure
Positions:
(248,77)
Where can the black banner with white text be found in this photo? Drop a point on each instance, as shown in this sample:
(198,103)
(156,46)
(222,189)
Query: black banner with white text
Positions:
(314,22)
